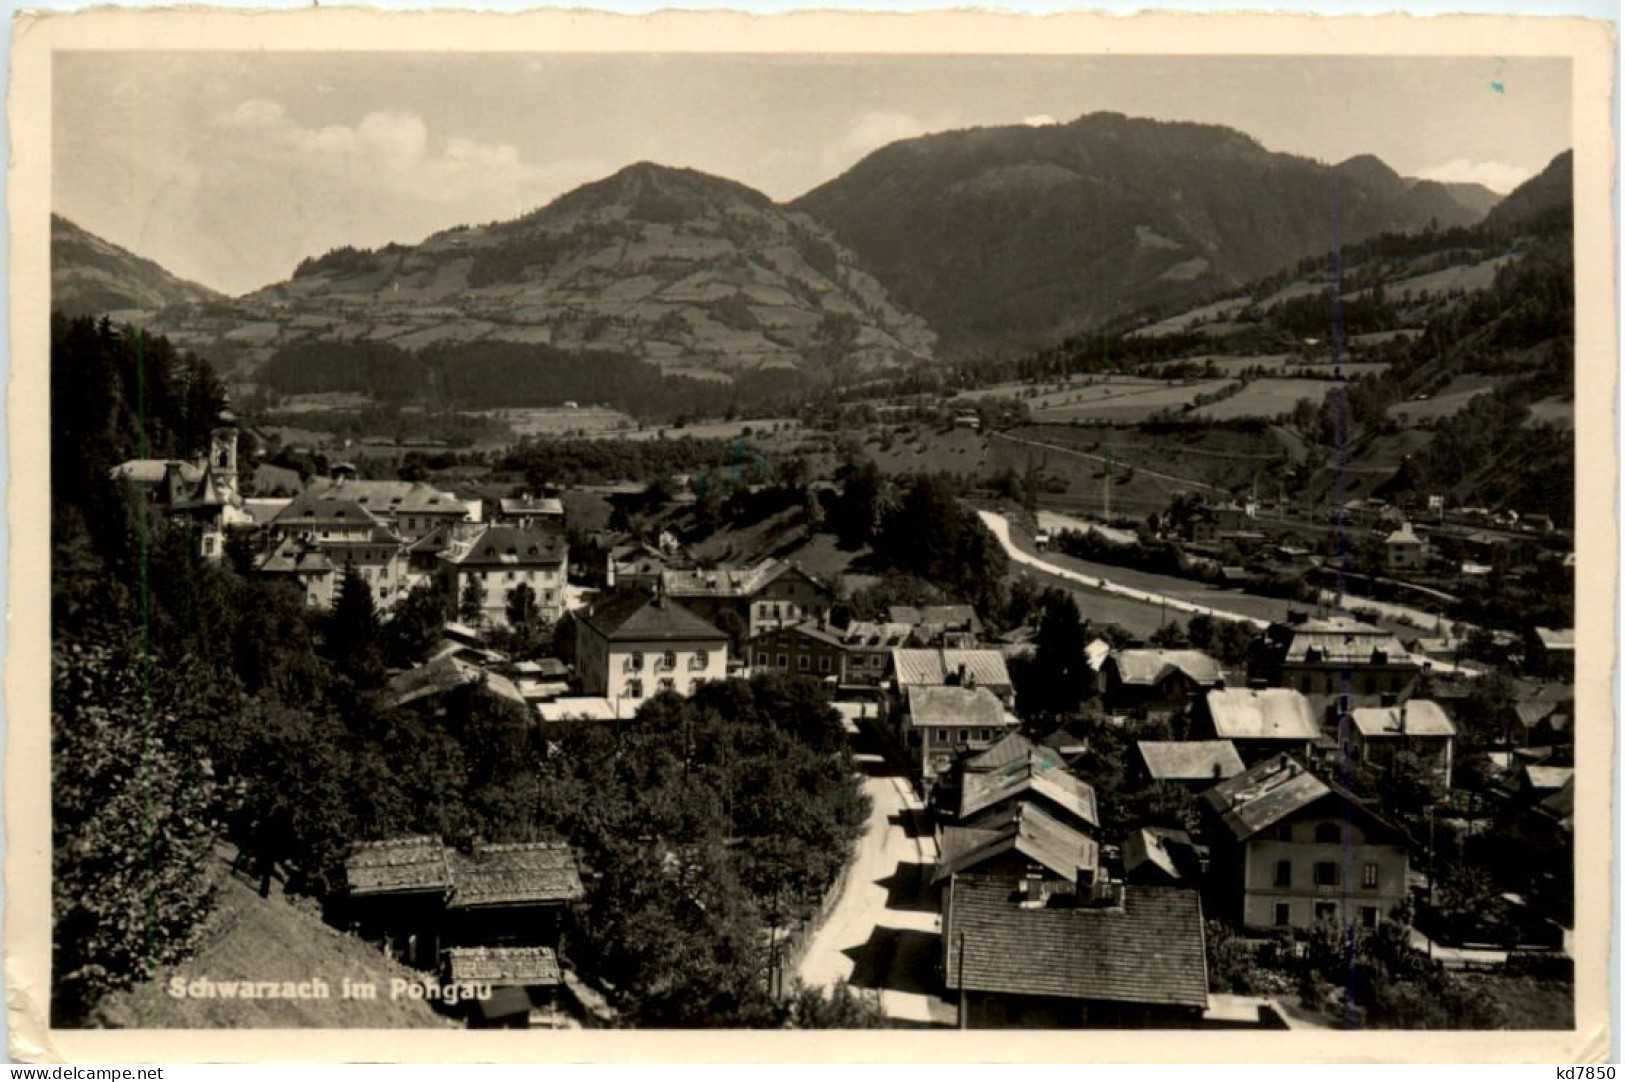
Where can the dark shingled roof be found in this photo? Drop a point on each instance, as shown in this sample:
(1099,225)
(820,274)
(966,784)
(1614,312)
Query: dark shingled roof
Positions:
(640,617)
(397,865)
(509,546)
(526,873)
(1277,788)
(1151,950)
(503,966)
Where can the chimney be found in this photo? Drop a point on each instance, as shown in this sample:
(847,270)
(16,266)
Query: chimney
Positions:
(960,677)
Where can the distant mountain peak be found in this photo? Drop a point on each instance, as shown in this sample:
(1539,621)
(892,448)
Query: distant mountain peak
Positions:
(1013,237)
(698,275)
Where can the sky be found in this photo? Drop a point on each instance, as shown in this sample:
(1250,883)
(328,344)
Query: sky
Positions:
(228,168)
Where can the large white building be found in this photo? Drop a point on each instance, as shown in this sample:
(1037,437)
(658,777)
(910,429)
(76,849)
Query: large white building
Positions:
(500,559)
(633,646)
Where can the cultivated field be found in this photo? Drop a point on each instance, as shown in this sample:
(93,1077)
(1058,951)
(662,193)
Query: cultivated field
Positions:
(1447,403)
(1120,400)
(1282,364)
(1468,278)
(558,421)
(708,430)
(1265,399)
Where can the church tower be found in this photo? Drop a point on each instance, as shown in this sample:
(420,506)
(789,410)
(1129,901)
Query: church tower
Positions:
(223,457)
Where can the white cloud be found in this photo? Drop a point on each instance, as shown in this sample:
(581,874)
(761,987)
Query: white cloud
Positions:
(1496,176)
(258,191)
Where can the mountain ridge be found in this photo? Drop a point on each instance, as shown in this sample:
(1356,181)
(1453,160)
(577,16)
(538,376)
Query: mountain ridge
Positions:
(1060,228)
(698,275)
(94,276)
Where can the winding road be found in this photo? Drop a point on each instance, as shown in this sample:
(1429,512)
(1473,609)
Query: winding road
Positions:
(1000,525)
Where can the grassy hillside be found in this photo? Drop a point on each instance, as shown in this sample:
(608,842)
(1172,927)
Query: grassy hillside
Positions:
(249,938)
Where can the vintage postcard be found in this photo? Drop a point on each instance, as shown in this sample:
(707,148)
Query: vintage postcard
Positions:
(718,528)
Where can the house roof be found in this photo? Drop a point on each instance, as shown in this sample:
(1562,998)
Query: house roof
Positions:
(941,616)
(314,507)
(1146,668)
(1190,760)
(531,505)
(1341,640)
(525,873)
(1421,717)
(447,672)
(1021,828)
(1548,777)
(1274,789)
(637,616)
(983,667)
(263,509)
(932,705)
(391,497)
(398,865)
(1531,714)
(1403,536)
(1013,747)
(1556,638)
(728,581)
(502,966)
(1151,950)
(509,546)
(1155,846)
(585,708)
(872,635)
(1096,653)
(1261,714)
(1560,804)
(1042,773)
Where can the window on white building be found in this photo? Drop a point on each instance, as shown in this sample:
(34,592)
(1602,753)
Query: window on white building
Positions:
(634,689)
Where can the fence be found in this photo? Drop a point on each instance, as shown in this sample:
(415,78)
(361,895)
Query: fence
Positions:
(794,947)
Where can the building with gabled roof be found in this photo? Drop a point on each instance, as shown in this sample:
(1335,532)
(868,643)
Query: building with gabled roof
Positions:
(1188,762)
(1258,722)
(1418,726)
(1404,550)
(939,625)
(410,508)
(1291,849)
(631,646)
(1157,683)
(773,593)
(444,674)
(983,667)
(1112,957)
(522,983)
(1161,857)
(412,865)
(1041,778)
(938,724)
(1019,842)
(496,561)
(1340,663)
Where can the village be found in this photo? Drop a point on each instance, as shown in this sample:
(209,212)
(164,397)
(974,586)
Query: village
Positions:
(1069,824)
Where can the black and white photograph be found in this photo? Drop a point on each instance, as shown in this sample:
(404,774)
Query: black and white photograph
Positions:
(564,540)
